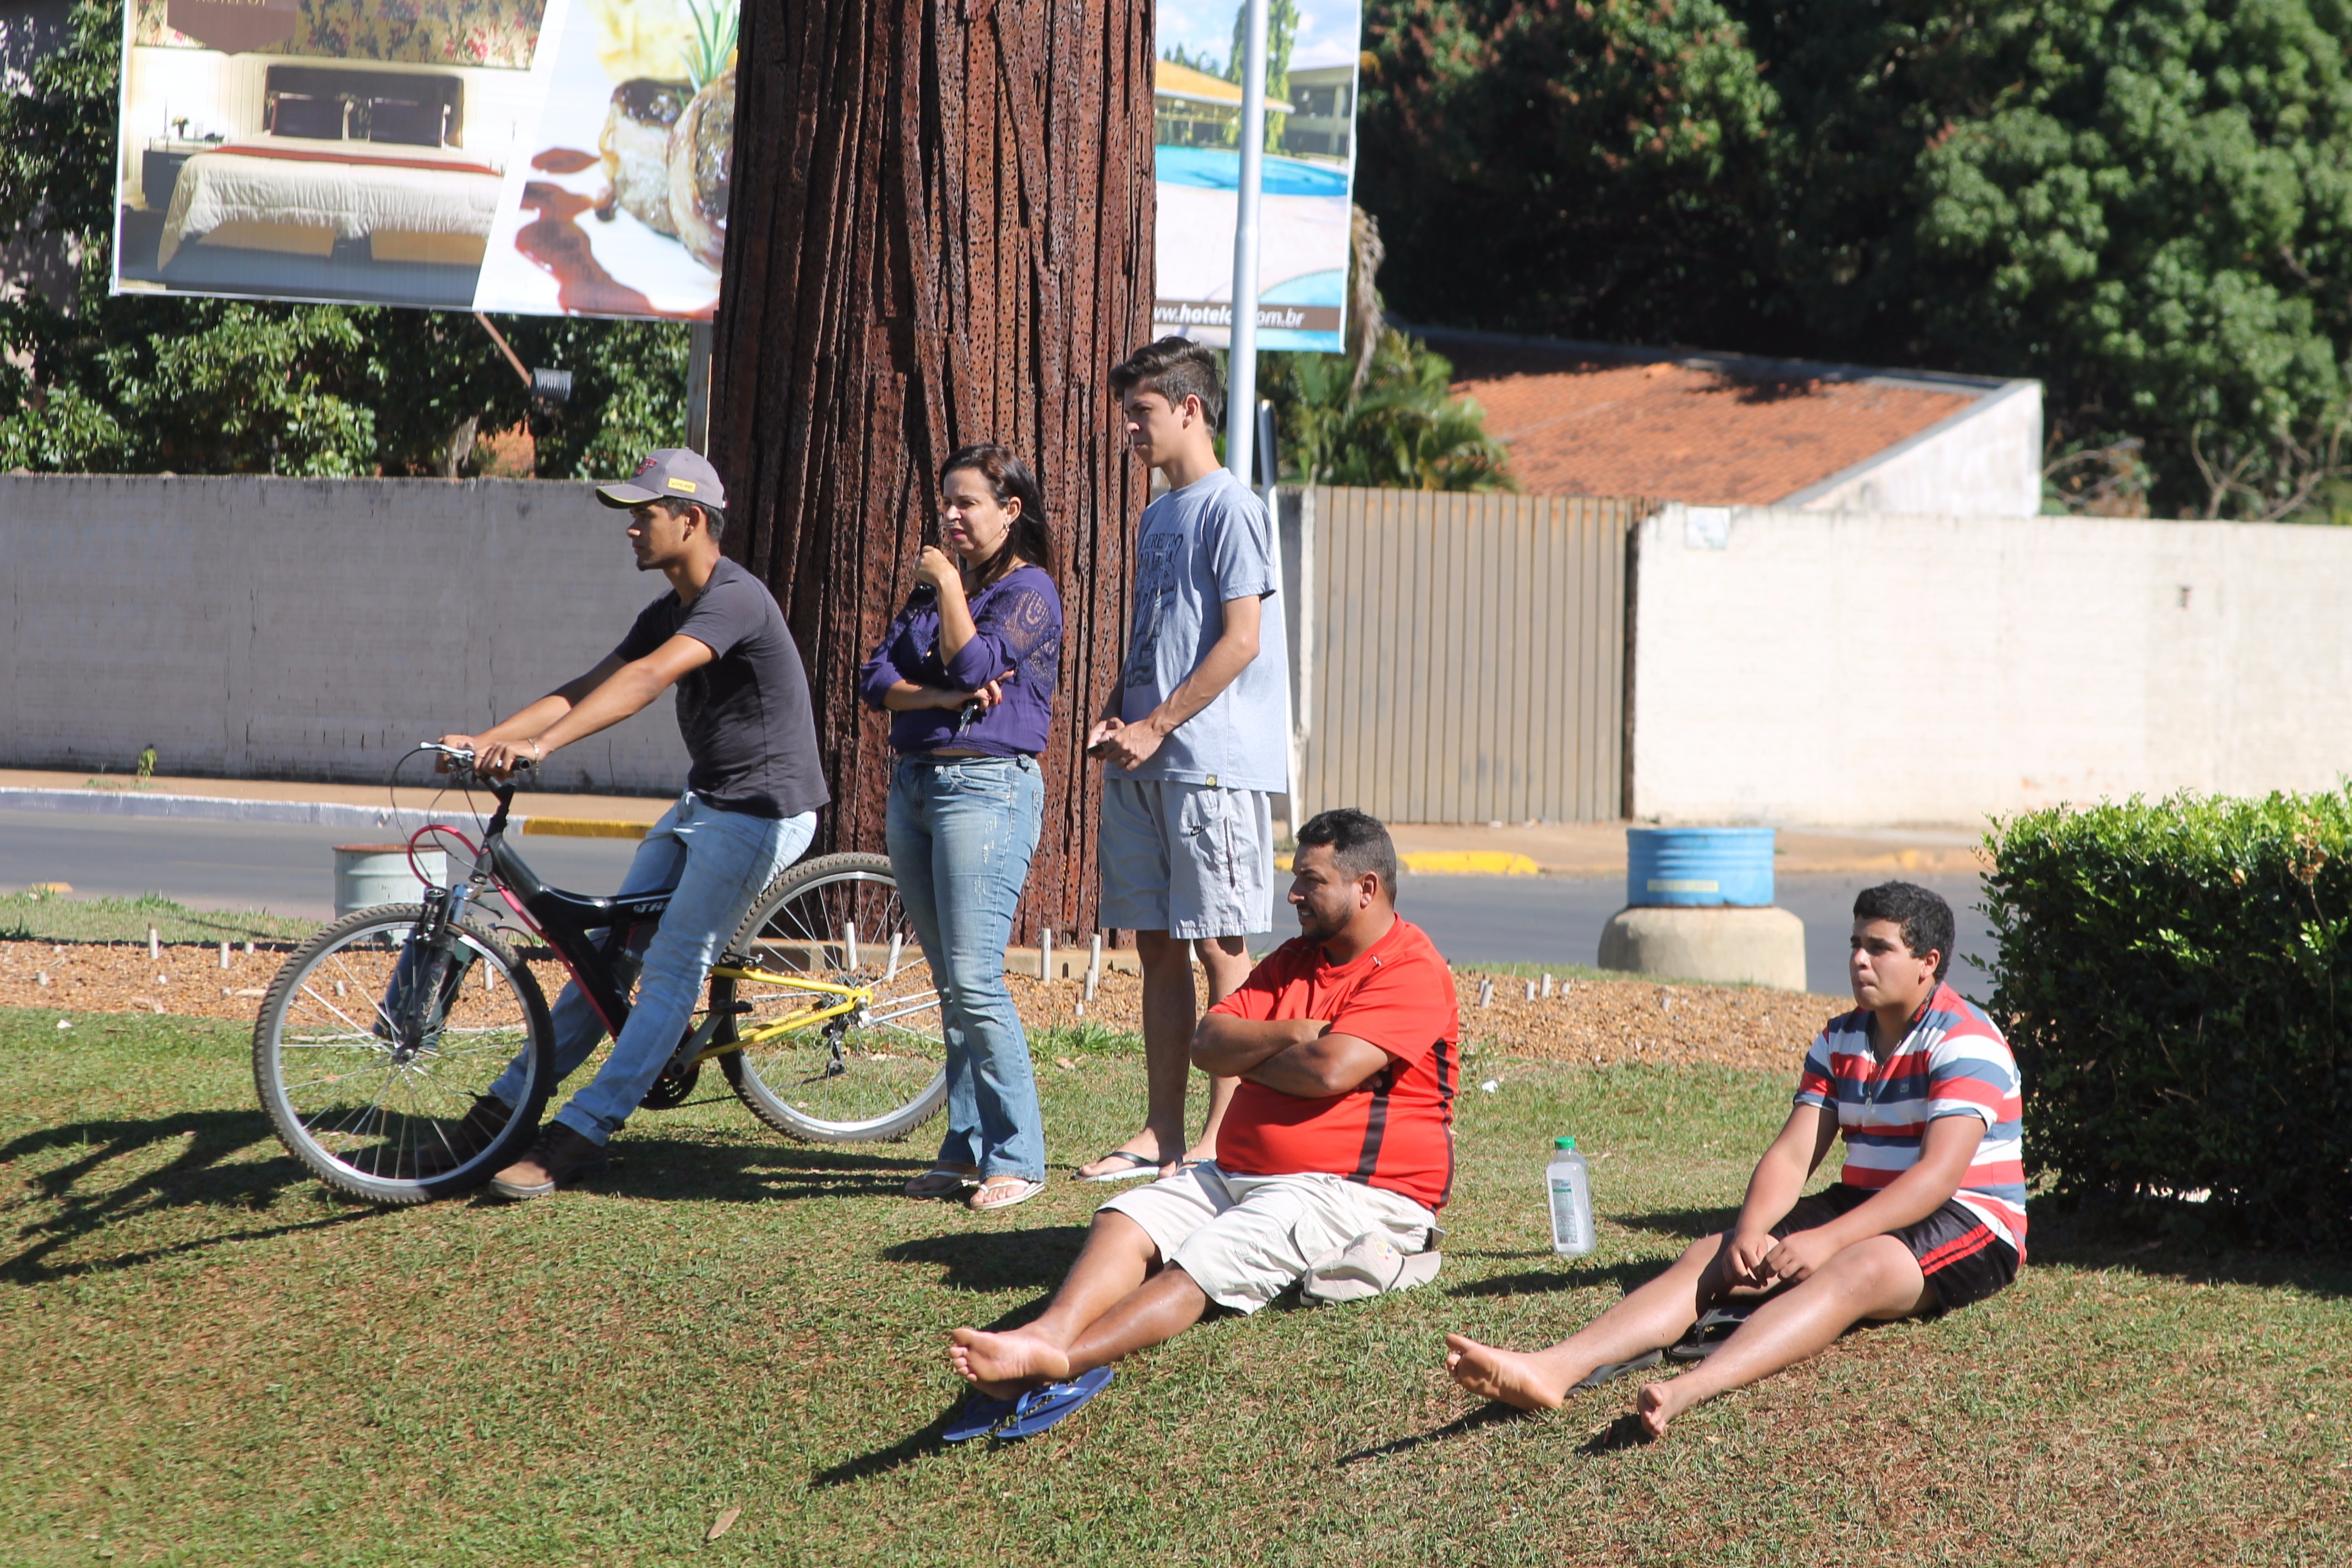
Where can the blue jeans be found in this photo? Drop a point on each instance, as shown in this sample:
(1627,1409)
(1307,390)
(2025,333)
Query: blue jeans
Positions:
(718,861)
(962,830)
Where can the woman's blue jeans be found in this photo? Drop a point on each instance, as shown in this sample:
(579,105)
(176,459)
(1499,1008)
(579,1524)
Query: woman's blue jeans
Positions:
(718,862)
(962,830)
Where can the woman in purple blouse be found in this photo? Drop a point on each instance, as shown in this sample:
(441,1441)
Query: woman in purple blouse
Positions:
(967,672)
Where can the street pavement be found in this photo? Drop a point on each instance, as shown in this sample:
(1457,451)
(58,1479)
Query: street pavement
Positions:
(1558,920)
(284,868)
(289,871)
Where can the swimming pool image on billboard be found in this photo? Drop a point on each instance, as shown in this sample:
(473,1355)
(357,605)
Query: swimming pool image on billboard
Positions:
(1306,175)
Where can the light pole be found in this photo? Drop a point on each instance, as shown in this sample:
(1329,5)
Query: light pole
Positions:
(1241,376)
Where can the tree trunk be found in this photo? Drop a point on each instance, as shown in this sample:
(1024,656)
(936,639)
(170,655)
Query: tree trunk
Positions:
(940,232)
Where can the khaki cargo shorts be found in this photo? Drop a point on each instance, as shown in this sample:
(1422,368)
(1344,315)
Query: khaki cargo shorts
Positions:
(1193,860)
(1246,1239)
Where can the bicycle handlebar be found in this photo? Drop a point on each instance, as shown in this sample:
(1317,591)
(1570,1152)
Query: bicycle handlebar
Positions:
(464,759)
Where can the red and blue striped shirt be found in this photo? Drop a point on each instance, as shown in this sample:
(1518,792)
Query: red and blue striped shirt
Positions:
(1953,1062)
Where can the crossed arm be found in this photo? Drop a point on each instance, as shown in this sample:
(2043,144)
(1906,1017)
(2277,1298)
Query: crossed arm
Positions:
(1303,1057)
(1755,1258)
(597,701)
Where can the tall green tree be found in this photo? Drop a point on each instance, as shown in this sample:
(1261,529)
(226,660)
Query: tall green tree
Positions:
(1383,413)
(1281,32)
(147,383)
(2145,206)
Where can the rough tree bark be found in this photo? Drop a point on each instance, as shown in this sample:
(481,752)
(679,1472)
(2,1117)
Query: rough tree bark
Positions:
(940,232)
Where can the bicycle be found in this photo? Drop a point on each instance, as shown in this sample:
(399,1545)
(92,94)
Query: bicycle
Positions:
(378,1034)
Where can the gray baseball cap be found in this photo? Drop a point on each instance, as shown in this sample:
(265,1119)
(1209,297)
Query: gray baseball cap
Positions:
(671,474)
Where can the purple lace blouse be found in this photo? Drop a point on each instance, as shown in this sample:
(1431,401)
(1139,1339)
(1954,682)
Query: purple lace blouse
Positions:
(1019,621)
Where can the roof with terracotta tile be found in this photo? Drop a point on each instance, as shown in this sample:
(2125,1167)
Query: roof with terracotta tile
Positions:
(1709,430)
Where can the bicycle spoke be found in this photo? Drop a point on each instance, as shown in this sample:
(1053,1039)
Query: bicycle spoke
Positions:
(349,1023)
(366,1113)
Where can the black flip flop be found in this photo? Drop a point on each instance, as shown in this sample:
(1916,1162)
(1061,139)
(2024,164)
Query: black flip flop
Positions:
(1706,1336)
(1617,1369)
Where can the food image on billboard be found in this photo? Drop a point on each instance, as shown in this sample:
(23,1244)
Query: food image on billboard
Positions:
(618,206)
(1306,178)
(336,150)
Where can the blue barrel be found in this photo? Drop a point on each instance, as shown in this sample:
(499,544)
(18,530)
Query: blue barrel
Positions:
(1697,865)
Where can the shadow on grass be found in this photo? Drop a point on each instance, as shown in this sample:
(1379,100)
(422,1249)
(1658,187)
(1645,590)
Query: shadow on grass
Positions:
(988,1260)
(882,1462)
(647,1164)
(1543,1281)
(2076,1241)
(201,1175)
(1690,1224)
(1484,1415)
(1625,1432)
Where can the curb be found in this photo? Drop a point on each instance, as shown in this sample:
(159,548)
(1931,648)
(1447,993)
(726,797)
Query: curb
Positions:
(306,813)
(212,808)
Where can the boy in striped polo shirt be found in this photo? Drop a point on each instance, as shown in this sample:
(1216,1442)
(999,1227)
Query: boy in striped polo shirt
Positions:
(1929,1214)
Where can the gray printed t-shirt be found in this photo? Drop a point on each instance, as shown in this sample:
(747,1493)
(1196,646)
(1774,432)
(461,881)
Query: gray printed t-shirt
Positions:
(1199,547)
(745,715)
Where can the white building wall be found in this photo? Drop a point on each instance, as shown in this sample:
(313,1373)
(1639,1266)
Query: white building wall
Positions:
(298,628)
(1868,669)
(1984,461)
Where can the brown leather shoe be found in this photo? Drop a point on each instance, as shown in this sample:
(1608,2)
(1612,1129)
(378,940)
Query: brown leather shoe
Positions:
(478,1131)
(560,1158)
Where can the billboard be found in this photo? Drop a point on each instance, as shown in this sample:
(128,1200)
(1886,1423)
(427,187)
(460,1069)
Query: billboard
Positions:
(532,155)
(1306,177)
(571,156)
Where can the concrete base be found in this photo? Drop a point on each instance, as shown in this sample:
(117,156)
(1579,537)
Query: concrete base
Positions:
(1758,947)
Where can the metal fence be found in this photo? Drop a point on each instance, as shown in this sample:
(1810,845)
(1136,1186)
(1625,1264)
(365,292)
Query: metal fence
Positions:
(1459,657)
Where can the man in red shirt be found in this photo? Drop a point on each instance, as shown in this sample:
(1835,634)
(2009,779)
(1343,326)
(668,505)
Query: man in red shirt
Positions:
(1346,1041)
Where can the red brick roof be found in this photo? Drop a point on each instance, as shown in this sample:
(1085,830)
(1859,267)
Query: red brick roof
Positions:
(1711,431)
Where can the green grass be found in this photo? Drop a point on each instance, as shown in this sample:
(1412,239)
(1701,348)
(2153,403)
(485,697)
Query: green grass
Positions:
(210,1359)
(53,917)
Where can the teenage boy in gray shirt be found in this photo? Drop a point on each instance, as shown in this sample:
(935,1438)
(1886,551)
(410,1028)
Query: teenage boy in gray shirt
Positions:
(1195,739)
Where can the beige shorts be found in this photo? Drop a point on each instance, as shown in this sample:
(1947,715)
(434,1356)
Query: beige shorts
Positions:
(1193,860)
(1246,1239)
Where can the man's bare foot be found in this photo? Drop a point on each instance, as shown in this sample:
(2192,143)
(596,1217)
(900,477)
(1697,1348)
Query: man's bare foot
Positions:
(1656,1405)
(1506,1375)
(1127,1160)
(1002,1365)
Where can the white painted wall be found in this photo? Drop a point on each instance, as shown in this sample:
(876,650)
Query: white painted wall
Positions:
(1869,668)
(1983,461)
(298,628)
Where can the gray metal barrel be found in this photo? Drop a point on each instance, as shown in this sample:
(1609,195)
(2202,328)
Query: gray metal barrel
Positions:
(367,875)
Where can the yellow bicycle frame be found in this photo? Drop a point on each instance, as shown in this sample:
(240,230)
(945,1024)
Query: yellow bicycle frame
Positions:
(850,998)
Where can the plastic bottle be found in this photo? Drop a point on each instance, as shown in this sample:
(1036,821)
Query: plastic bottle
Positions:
(1571,1181)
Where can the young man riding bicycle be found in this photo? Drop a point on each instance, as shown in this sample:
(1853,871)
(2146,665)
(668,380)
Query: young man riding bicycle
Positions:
(748,810)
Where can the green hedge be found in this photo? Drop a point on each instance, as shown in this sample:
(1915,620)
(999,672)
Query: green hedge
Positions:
(2177,979)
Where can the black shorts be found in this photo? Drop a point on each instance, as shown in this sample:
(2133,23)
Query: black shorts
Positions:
(1963,1258)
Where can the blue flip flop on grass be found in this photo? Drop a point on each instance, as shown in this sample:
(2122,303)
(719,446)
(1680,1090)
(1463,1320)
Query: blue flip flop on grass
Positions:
(977,1417)
(1052,1403)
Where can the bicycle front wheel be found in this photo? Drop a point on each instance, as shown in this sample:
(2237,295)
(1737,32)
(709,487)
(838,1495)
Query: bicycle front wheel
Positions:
(876,1073)
(390,1120)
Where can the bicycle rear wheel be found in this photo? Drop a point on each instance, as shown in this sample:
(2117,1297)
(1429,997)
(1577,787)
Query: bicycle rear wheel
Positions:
(878,1073)
(379,1121)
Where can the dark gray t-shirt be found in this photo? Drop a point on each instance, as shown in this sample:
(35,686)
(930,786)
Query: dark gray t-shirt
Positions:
(745,715)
